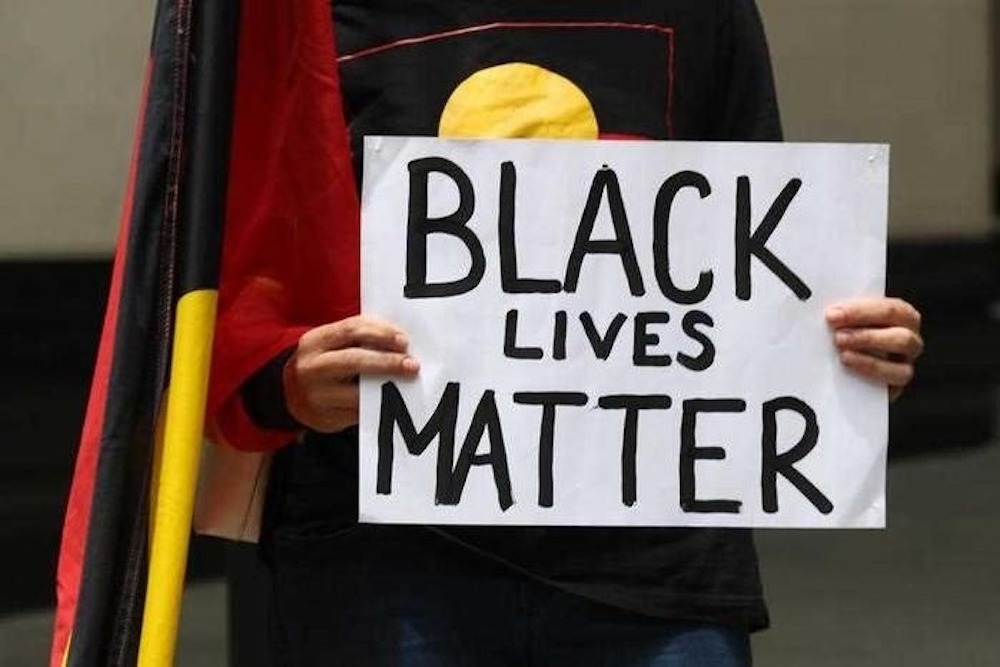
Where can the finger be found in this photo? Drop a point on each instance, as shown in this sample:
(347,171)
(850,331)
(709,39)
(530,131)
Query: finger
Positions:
(874,312)
(891,373)
(338,365)
(893,340)
(358,331)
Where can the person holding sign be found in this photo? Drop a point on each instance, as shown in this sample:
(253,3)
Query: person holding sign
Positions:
(351,594)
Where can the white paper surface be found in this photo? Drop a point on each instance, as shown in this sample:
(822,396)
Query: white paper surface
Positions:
(773,345)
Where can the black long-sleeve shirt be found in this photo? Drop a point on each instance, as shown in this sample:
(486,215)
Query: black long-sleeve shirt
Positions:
(656,69)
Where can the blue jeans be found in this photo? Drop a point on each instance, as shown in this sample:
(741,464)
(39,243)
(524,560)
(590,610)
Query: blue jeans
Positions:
(359,599)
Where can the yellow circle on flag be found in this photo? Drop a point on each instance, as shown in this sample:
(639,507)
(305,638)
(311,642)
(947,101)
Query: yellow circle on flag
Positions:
(518,100)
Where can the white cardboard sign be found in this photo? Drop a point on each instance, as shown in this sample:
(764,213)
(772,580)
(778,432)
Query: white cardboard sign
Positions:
(621,333)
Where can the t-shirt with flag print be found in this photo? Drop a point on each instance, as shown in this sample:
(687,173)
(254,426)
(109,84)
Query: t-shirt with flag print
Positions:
(587,69)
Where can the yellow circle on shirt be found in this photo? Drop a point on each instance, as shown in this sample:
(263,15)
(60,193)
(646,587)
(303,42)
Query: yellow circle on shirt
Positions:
(518,100)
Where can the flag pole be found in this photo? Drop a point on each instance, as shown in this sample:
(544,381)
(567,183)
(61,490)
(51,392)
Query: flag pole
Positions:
(214,28)
(178,476)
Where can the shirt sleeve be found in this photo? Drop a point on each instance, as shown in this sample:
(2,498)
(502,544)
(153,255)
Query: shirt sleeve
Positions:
(747,102)
(263,396)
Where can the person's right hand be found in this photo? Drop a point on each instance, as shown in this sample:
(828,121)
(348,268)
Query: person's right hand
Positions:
(320,378)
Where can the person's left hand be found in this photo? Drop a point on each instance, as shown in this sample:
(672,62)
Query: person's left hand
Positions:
(878,338)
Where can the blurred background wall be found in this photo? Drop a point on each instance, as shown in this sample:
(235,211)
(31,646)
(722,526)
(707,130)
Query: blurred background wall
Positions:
(70,81)
(919,74)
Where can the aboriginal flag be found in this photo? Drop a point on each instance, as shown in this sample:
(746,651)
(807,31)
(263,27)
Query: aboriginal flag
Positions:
(428,84)
(240,142)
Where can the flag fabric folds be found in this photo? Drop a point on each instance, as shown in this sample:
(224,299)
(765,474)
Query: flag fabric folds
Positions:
(241,201)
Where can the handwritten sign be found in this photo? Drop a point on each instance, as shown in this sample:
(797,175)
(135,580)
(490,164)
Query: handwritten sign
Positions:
(621,333)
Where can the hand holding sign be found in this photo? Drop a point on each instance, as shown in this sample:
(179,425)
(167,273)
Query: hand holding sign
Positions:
(878,338)
(865,330)
(320,378)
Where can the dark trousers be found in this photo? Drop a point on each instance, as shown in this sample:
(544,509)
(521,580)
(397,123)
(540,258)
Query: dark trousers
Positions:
(406,597)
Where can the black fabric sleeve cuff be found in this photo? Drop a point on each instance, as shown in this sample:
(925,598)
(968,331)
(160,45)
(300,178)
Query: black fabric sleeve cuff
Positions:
(263,396)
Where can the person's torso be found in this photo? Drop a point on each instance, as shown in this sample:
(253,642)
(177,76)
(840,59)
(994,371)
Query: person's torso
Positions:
(646,69)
